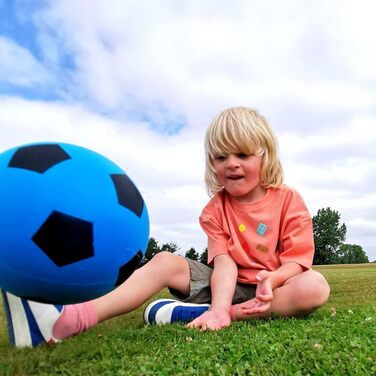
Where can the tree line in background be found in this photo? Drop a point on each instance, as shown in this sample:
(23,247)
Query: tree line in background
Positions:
(329,236)
(153,248)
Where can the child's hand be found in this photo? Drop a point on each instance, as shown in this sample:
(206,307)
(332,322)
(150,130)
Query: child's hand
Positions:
(212,320)
(250,308)
(264,291)
(261,303)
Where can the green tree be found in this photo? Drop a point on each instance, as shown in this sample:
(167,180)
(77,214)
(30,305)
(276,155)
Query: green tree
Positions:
(170,247)
(351,254)
(328,234)
(192,254)
(204,256)
(151,250)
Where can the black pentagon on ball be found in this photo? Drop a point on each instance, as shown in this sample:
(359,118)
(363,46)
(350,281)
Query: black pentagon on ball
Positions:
(65,239)
(127,269)
(127,193)
(38,158)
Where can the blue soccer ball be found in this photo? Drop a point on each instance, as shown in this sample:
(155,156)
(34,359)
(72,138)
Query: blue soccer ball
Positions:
(72,224)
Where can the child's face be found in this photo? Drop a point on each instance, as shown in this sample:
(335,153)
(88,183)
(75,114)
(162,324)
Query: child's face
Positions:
(240,175)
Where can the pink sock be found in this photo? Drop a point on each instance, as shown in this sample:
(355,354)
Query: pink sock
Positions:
(75,319)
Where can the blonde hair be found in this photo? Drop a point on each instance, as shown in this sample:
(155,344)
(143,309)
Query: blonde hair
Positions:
(242,130)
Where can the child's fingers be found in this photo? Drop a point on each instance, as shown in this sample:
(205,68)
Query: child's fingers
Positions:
(265,297)
(203,326)
(262,275)
(256,307)
(207,322)
(194,324)
(255,310)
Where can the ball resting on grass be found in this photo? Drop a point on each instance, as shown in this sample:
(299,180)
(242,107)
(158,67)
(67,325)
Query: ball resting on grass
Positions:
(72,223)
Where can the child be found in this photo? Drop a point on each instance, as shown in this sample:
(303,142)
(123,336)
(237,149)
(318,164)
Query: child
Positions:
(260,248)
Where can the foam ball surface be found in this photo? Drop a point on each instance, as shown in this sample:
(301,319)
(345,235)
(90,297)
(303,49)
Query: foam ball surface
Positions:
(72,223)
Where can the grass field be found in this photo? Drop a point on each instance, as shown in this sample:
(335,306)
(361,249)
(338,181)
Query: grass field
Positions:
(338,339)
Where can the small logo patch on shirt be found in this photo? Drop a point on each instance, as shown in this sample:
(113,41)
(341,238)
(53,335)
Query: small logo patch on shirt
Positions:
(261,229)
(261,248)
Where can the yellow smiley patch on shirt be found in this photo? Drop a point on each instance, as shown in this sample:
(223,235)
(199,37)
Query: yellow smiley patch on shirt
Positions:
(242,227)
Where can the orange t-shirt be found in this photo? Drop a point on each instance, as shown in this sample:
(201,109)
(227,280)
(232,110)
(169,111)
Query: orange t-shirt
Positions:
(261,235)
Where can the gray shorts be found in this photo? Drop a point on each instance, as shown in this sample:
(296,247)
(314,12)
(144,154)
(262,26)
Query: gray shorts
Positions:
(200,291)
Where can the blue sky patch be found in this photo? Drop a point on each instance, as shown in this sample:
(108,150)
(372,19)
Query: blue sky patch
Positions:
(16,24)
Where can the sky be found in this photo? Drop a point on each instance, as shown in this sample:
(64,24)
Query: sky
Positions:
(140,82)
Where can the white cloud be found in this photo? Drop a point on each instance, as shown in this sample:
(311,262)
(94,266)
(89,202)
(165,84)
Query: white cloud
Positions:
(250,54)
(19,67)
(354,36)
(130,59)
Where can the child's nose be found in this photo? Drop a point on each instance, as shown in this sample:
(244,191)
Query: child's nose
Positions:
(232,161)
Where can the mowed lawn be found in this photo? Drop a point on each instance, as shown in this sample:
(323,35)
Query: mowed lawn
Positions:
(338,339)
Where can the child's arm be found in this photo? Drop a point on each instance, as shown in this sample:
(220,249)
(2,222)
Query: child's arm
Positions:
(223,282)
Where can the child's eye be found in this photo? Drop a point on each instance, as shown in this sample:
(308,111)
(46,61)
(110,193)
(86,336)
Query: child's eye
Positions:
(242,155)
(220,157)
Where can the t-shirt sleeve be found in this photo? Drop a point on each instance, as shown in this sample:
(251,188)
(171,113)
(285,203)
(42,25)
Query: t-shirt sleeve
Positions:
(212,223)
(296,237)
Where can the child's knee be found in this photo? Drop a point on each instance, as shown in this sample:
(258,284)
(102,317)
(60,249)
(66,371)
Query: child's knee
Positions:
(161,257)
(164,257)
(316,292)
(310,292)
(168,262)
(322,289)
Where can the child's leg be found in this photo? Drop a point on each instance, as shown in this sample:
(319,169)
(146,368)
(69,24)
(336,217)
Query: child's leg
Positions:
(31,323)
(298,296)
(164,270)
(301,294)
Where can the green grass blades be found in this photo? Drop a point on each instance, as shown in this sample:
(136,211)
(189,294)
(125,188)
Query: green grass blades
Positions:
(338,339)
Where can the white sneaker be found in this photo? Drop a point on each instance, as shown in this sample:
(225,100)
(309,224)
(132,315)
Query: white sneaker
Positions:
(166,311)
(30,323)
